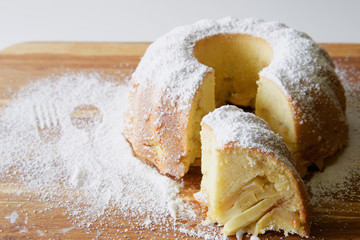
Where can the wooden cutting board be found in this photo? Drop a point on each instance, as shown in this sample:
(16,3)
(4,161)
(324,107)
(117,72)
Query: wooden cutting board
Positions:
(25,62)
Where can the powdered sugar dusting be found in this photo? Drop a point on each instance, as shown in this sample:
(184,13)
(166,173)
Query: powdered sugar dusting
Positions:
(40,233)
(13,216)
(337,178)
(65,230)
(254,238)
(169,63)
(168,77)
(232,125)
(48,145)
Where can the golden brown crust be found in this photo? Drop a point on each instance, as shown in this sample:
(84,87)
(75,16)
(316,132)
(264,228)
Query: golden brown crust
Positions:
(306,207)
(158,134)
(320,138)
(160,144)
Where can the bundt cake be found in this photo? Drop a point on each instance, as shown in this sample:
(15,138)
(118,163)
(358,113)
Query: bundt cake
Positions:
(249,183)
(187,73)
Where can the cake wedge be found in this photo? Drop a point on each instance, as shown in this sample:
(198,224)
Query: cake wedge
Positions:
(249,182)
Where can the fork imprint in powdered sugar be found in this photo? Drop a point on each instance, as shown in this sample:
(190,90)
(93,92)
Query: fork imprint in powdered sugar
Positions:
(47,121)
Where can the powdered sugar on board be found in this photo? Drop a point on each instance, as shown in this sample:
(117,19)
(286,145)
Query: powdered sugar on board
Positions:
(88,158)
(49,144)
(340,178)
(13,216)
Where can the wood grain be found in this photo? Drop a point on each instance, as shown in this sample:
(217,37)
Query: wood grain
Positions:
(26,62)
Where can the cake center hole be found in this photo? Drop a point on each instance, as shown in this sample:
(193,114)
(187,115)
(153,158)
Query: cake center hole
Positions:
(237,60)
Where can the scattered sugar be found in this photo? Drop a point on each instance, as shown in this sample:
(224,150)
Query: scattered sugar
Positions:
(23,230)
(13,216)
(239,234)
(40,233)
(78,153)
(336,180)
(85,164)
(254,238)
(65,230)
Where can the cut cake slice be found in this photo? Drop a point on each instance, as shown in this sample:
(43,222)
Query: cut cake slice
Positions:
(249,182)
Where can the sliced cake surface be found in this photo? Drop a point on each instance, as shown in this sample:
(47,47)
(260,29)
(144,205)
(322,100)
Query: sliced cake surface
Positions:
(249,182)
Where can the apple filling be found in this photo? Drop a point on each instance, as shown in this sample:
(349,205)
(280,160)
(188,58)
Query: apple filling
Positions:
(255,208)
(245,189)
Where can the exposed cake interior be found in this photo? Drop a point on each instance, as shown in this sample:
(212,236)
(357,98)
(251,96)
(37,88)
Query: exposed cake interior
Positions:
(237,60)
(248,190)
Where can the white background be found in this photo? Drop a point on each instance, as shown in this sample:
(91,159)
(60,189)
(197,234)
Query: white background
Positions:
(111,20)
